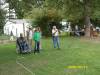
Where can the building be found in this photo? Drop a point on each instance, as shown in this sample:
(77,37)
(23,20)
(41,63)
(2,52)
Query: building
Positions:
(14,25)
(17,26)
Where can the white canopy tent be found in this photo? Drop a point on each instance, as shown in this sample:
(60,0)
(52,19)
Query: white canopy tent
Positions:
(17,27)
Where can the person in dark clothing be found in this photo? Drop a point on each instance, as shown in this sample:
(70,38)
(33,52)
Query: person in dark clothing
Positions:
(22,44)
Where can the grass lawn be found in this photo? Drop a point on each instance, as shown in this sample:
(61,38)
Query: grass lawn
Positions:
(4,37)
(74,52)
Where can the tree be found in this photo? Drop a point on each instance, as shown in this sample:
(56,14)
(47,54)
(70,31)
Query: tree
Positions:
(2,20)
(18,6)
(23,6)
(44,17)
(46,21)
(74,10)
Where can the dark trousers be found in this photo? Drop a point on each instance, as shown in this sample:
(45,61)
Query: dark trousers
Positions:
(37,49)
(21,46)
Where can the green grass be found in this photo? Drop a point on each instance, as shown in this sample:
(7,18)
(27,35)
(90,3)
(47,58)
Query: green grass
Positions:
(4,37)
(50,61)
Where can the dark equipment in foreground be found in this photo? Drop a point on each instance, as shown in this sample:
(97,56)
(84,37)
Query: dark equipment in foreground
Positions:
(22,45)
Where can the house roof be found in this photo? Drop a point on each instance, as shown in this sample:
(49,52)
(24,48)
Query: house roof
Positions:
(20,21)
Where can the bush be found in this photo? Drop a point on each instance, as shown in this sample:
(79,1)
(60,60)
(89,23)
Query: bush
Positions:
(45,23)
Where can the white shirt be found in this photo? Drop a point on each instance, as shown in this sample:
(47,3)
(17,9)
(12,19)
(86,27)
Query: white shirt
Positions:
(30,34)
(76,27)
(55,32)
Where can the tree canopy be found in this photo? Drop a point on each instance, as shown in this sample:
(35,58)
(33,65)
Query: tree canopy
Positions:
(72,10)
(23,6)
(2,20)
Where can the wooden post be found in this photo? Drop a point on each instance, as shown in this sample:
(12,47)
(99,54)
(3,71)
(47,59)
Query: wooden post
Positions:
(16,33)
(24,29)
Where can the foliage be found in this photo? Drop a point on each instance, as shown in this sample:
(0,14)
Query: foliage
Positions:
(23,6)
(74,10)
(46,21)
(71,9)
(2,20)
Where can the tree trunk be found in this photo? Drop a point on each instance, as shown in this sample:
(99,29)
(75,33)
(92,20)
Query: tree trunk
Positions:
(24,29)
(87,11)
(87,23)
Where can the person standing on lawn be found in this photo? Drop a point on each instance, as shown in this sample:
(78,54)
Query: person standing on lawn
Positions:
(55,37)
(30,37)
(40,46)
(11,36)
(37,38)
